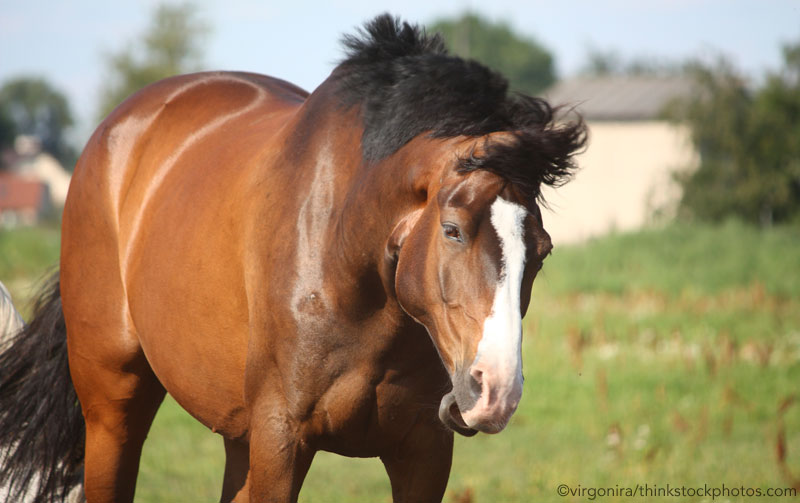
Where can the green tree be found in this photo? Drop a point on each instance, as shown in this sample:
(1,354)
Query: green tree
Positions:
(600,63)
(173,44)
(31,106)
(8,131)
(525,62)
(749,144)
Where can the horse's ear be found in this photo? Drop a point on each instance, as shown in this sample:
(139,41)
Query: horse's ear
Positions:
(393,245)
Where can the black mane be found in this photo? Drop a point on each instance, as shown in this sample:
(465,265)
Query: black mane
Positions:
(407,84)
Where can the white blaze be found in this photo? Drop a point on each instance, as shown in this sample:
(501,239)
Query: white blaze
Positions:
(500,345)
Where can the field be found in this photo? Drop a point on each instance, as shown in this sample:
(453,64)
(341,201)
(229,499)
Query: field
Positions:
(26,255)
(664,357)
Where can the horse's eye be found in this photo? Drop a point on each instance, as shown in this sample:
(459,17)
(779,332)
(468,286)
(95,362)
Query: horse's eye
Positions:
(451,231)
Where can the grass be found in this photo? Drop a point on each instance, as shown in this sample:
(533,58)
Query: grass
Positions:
(26,254)
(681,260)
(659,357)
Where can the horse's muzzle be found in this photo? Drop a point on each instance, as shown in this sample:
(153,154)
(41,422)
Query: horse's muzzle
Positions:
(481,400)
(450,415)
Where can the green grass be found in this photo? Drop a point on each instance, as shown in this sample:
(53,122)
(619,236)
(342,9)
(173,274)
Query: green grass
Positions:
(681,260)
(26,255)
(659,357)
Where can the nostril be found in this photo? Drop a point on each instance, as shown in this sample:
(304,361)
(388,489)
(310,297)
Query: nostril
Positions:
(476,374)
(476,382)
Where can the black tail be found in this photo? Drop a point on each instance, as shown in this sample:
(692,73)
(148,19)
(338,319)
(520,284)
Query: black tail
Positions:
(41,427)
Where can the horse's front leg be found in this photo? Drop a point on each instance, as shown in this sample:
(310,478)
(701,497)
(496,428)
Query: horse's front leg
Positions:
(279,457)
(419,467)
(235,487)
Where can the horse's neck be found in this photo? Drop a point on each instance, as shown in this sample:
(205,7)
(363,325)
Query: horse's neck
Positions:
(373,203)
(345,210)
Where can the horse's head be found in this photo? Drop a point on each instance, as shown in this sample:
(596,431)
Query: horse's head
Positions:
(463,259)
(466,262)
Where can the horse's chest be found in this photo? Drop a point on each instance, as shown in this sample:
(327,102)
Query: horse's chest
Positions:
(360,417)
(356,387)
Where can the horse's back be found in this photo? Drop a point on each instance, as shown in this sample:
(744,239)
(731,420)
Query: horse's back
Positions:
(208,117)
(154,227)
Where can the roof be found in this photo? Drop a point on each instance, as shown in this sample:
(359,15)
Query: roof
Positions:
(20,193)
(622,97)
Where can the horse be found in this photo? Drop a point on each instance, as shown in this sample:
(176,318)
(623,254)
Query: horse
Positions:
(345,271)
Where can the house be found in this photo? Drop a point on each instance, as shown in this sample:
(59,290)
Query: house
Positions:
(32,183)
(626,176)
(23,201)
(30,161)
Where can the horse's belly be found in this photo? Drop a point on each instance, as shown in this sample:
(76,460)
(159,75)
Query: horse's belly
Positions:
(188,303)
(199,360)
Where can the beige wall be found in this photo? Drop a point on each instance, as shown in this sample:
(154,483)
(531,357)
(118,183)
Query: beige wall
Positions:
(624,180)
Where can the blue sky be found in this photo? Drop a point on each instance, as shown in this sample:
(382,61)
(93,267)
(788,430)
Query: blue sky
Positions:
(65,41)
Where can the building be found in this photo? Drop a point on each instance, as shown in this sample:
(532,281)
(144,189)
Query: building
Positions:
(626,176)
(32,184)
(23,201)
(32,162)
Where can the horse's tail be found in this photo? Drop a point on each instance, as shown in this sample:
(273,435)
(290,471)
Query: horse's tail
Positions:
(41,426)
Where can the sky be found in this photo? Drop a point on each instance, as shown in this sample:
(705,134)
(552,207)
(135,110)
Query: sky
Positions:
(67,42)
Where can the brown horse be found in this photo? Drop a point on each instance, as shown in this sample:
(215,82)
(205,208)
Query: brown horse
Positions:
(342,271)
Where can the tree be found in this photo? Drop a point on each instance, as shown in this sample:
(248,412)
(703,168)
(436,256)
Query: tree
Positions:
(173,44)
(748,141)
(526,63)
(8,131)
(601,63)
(31,106)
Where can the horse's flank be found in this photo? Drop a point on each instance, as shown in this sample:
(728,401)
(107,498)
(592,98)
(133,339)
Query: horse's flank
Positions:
(160,184)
